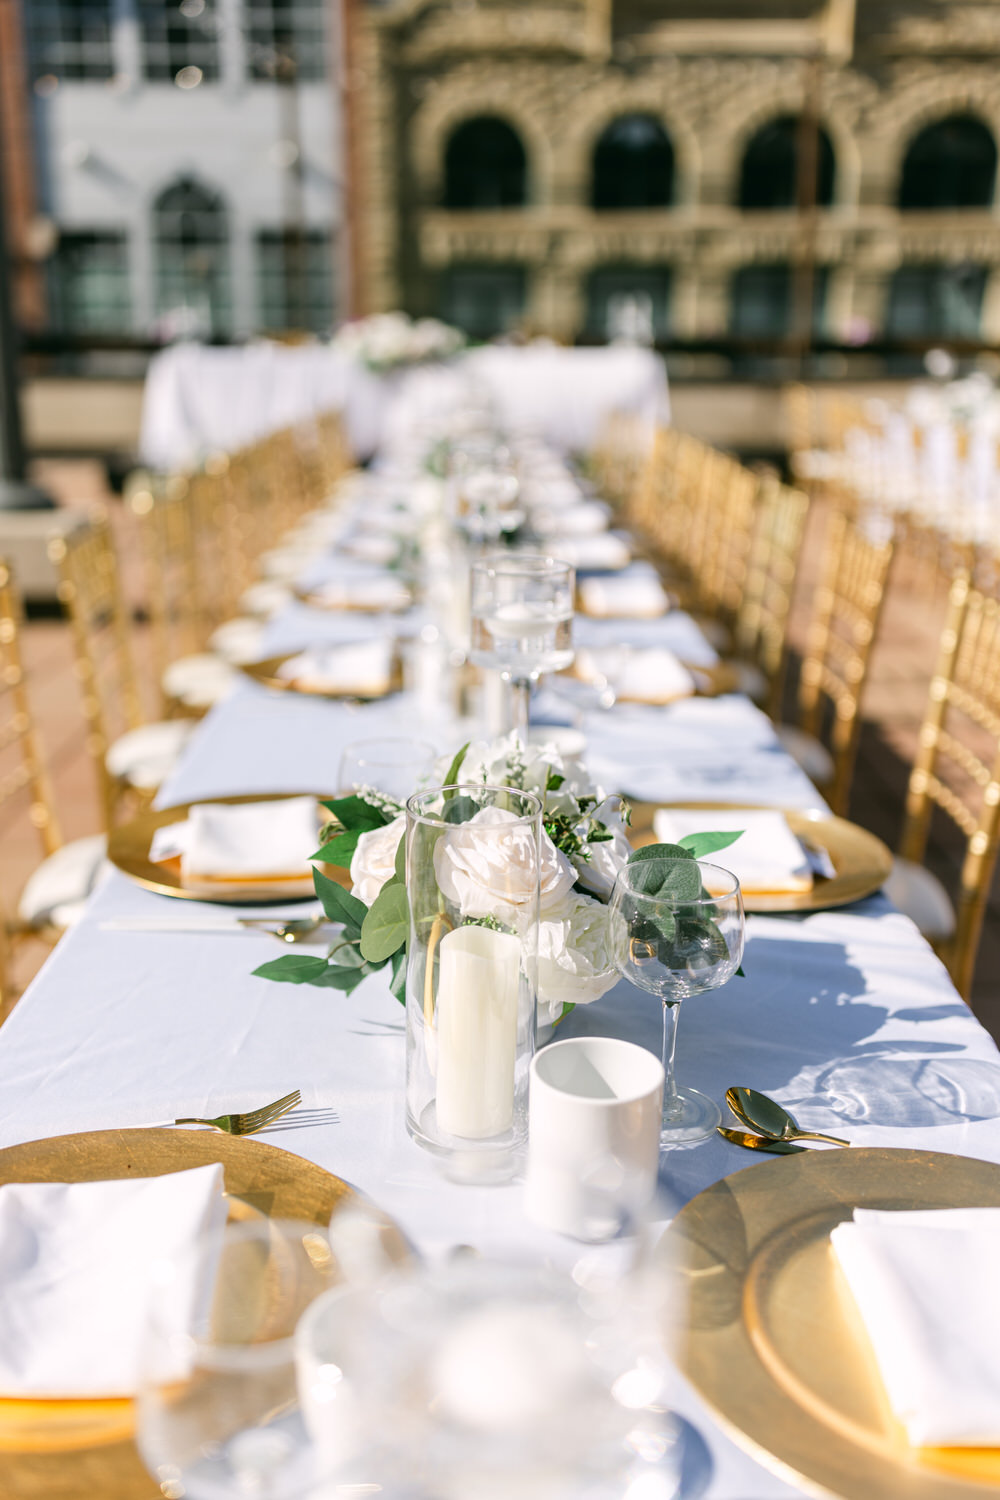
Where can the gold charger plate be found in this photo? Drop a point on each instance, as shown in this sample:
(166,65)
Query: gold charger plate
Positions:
(861,861)
(266,672)
(83,1449)
(771,1336)
(317,601)
(128,851)
(709,682)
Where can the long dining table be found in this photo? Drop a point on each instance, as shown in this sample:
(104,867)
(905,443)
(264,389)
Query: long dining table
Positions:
(844,1015)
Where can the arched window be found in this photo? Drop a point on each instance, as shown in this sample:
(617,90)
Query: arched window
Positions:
(769,176)
(633,165)
(484,166)
(936,301)
(951,164)
(191,238)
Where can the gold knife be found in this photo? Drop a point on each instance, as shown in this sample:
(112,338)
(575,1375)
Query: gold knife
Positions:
(758,1142)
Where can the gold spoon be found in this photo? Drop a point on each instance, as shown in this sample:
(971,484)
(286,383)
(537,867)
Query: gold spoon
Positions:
(770,1119)
(759,1142)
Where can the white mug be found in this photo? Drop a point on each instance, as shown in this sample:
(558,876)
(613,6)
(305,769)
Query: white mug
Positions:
(593,1134)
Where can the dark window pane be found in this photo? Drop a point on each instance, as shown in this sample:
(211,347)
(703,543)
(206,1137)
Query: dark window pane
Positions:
(484,166)
(935,301)
(769,179)
(191,242)
(69,38)
(628,302)
(179,34)
(89,283)
(294,277)
(633,165)
(483,301)
(286,39)
(952,164)
(763,301)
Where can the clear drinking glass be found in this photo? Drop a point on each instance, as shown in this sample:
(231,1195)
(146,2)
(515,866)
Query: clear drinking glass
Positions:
(677,929)
(218,1413)
(472,886)
(522,621)
(397,767)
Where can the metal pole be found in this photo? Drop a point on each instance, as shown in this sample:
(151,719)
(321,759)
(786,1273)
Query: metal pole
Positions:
(15,492)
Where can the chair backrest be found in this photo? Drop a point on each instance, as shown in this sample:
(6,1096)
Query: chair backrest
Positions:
(166,535)
(335,454)
(21,765)
(848,602)
(91,593)
(957,765)
(726,538)
(761,625)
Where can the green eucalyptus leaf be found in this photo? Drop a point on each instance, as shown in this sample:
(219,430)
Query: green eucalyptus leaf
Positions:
(460,809)
(702,844)
(386,926)
(340,905)
(341,977)
(401,859)
(659,851)
(293,968)
(452,774)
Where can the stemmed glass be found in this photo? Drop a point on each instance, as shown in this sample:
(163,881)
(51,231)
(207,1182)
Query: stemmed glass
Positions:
(677,929)
(394,766)
(522,621)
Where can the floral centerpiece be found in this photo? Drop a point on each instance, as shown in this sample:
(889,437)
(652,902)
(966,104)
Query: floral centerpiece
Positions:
(390,341)
(583,846)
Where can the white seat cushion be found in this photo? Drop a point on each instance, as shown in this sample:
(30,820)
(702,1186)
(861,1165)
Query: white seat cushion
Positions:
(145,757)
(199,681)
(922,897)
(55,893)
(807,753)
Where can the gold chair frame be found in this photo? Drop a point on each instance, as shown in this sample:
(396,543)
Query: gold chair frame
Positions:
(761,629)
(966,682)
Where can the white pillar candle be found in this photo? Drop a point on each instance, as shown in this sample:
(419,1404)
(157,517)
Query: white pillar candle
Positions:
(476,1022)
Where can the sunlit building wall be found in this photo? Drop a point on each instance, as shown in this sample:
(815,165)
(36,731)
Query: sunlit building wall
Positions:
(187,159)
(578,165)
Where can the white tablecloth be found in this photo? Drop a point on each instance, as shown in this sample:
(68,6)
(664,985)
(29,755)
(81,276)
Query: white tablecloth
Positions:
(846,1016)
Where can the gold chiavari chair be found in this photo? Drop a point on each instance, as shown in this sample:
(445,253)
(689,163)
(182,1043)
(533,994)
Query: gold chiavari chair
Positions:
(66,873)
(848,603)
(130,754)
(335,453)
(727,540)
(761,627)
(956,770)
(190,678)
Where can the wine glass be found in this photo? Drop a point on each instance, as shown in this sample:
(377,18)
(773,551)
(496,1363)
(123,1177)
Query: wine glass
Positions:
(393,766)
(677,929)
(218,1414)
(522,621)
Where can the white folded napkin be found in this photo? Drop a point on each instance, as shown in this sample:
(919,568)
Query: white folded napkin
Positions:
(603,551)
(766,858)
(367,591)
(362,667)
(926,1285)
(589,518)
(650,674)
(634,594)
(248,839)
(75,1288)
(368,548)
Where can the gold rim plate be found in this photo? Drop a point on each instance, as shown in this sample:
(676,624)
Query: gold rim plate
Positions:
(128,851)
(266,673)
(709,682)
(84,1448)
(317,601)
(772,1338)
(861,861)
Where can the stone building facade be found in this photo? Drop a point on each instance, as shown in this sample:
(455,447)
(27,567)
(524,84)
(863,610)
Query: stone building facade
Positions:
(901,96)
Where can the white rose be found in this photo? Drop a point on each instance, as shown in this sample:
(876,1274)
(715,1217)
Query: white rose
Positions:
(489,874)
(374,859)
(574,959)
(598,873)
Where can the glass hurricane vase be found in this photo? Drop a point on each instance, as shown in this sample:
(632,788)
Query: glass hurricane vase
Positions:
(472,878)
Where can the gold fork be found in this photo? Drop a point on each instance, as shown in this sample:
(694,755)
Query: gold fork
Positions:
(252,1121)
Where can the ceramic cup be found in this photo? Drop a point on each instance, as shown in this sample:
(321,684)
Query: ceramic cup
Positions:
(593,1134)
